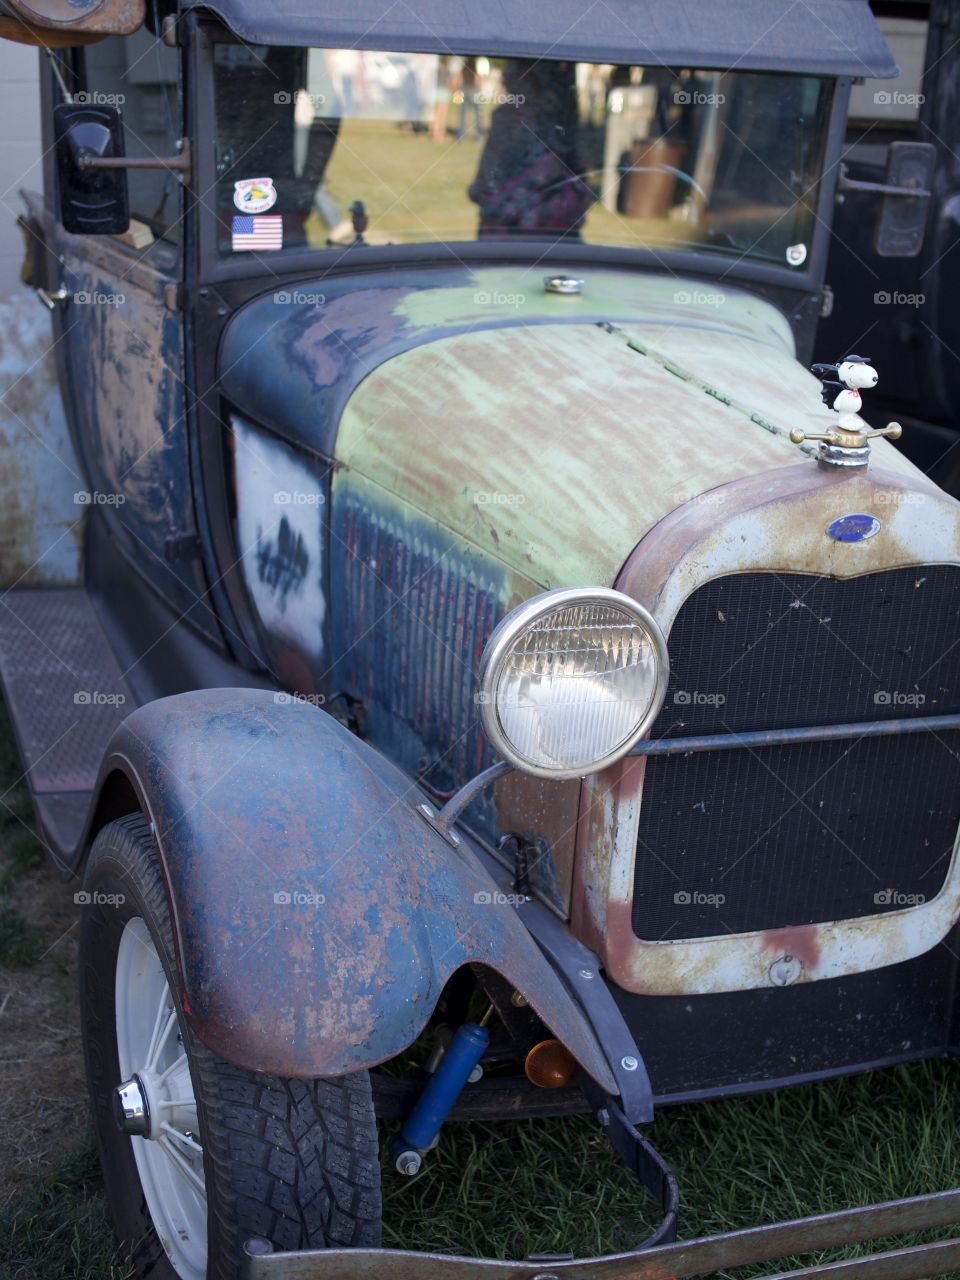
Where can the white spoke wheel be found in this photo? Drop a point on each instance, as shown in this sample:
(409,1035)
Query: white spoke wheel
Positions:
(151,1054)
(200,1155)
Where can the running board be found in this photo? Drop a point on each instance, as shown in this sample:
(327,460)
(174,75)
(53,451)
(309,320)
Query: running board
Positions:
(65,694)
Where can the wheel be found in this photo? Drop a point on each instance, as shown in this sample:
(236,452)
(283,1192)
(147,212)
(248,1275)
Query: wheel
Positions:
(199,1155)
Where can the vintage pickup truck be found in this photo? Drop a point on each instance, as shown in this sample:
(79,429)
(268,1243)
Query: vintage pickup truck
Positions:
(440,608)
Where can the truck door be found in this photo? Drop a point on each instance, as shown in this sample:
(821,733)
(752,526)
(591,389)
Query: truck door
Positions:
(120,329)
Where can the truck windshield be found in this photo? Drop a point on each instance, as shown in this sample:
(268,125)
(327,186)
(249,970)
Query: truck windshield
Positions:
(320,148)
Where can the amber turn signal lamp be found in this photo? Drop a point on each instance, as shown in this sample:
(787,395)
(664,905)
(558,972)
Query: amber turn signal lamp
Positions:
(549,1065)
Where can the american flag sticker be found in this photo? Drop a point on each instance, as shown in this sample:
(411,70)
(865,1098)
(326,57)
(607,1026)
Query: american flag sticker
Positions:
(257,233)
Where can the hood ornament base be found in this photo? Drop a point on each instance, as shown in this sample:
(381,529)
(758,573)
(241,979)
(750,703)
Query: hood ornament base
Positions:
(848,443)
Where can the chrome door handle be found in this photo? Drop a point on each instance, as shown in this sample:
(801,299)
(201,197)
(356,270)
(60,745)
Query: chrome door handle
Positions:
(50,300)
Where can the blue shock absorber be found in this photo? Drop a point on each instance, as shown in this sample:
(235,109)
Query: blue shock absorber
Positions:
(441,1092)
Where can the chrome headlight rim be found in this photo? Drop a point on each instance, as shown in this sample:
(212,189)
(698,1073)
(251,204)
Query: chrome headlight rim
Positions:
(508,631)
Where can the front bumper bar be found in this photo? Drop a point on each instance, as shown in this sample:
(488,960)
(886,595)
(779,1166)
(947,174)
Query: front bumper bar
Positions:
(669,1261)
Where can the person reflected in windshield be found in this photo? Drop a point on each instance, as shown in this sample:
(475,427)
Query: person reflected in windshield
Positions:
(352,147)
(528,179)
(442,93)
(469,94)
(270,129)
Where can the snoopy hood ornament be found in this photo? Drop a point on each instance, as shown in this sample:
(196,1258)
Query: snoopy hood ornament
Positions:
(848,443)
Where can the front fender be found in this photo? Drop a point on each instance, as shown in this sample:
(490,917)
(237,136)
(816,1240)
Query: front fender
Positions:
(316,916)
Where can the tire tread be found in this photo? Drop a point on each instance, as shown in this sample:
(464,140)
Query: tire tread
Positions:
(297,1160)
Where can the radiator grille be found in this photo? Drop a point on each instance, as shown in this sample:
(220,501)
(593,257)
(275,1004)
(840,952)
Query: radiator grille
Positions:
(415,621)
(736,841)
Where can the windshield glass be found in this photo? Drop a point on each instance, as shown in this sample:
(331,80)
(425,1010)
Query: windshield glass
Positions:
(324,147)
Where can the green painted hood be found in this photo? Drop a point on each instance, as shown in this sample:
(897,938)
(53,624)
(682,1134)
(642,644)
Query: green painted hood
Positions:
(556,447)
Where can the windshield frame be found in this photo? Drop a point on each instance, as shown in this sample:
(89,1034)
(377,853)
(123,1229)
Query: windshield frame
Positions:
(211,266)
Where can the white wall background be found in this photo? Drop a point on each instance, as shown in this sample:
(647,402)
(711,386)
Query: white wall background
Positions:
(19,150)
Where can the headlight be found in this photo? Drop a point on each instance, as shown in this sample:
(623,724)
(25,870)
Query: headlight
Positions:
(570,680)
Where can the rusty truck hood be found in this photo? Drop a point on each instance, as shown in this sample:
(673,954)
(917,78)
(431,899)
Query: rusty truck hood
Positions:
(551,432)
(555,448)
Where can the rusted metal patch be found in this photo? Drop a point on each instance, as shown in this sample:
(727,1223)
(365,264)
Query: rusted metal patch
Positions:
(109,17)
(778,521)
(317,917)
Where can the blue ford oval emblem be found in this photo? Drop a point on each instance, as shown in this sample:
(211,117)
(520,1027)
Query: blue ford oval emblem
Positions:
(854,528)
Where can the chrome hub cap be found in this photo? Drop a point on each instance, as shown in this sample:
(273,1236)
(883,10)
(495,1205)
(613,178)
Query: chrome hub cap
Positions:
(130,1108)
(155,1104)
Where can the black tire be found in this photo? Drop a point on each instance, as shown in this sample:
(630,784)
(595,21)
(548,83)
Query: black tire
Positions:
(292,1161)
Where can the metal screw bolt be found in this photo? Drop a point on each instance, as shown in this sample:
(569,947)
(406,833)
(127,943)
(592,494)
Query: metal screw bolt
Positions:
(586,973)
(408,1163)
(629,1064)
(475,1075)
(785,971)
(518,1001)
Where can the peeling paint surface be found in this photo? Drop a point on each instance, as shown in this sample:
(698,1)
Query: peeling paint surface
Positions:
(293,365)
(556,448)
(123,360)
(318,916)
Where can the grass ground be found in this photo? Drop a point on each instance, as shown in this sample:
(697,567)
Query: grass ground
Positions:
(498,1190)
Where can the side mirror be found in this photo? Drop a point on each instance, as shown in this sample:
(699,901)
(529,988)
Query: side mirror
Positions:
(906,189)
(93,200)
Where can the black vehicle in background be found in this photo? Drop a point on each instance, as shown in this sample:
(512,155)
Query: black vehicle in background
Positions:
(903,311)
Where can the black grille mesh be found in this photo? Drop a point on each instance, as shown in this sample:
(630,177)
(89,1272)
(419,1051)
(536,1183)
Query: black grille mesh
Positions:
(813,832)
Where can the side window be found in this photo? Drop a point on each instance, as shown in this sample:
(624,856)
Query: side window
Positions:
(139,75)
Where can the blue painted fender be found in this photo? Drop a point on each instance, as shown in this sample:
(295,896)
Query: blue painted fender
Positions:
(317,917)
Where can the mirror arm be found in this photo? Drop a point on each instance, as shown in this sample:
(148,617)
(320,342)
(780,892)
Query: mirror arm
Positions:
(845,183)
(180,163)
